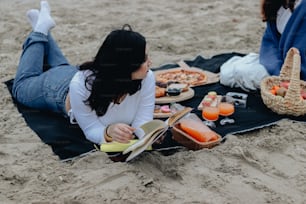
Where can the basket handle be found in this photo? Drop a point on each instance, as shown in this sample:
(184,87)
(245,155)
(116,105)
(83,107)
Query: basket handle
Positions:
(286,68)
(293,62)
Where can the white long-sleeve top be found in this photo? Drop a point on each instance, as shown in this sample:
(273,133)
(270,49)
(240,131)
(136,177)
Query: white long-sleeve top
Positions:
(134,110)
(283,16)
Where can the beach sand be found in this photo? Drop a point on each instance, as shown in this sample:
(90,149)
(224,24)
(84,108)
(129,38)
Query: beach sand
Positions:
(262,166)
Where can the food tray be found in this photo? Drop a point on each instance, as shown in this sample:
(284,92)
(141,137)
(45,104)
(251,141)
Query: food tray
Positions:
(171,99)
(189,142)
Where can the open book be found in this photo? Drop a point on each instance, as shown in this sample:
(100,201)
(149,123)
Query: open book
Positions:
(150,132)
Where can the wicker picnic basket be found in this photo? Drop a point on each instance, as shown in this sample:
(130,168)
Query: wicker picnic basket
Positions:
(292,103)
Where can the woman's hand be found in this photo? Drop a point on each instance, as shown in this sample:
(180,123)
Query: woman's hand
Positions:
(120,132)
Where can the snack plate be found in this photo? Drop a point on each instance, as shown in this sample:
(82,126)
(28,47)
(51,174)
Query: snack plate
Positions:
(200,106)
(170,99)
(174,107)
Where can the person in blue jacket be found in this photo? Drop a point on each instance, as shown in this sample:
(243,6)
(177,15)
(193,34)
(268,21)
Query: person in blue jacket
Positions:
(286,28)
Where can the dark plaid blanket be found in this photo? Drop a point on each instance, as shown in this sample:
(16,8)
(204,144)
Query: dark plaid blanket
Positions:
(67,141)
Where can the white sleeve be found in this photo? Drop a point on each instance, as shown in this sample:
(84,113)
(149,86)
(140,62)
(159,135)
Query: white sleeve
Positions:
(85,116)
(91,124)
(146,106)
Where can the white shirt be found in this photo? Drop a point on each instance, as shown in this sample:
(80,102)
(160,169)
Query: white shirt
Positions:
(134,110)
(283,16)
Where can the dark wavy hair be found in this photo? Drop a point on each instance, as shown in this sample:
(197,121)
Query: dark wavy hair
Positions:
(270,7)
(121,53)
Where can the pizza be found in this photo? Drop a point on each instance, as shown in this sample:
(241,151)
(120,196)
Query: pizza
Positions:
(192,77)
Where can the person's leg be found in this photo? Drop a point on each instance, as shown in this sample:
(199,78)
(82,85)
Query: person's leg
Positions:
(32,86)
(31,60)
(53,56)
(34,49)
(38,89)
(44,22)
(30,78)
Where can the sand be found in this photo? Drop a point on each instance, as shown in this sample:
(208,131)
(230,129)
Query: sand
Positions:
(263,166)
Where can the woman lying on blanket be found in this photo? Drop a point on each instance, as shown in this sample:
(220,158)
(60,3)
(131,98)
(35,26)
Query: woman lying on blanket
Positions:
(108,97)
(286,28)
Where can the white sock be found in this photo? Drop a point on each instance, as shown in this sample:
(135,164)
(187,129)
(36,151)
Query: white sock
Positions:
(45,22)
(32,16)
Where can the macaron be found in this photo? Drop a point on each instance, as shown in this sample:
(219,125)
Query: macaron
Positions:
(165,109)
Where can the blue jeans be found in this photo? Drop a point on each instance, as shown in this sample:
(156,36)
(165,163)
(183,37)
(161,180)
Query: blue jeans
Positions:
(36,87)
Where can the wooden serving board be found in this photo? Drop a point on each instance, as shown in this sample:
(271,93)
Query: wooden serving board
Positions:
(179,69)
(210,76)
(200,106)
(162,115)
(171,99)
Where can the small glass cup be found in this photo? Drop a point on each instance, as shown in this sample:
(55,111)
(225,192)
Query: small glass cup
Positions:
(210,114)
(226,108)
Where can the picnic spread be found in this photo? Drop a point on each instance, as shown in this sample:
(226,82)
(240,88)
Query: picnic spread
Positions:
(250,111)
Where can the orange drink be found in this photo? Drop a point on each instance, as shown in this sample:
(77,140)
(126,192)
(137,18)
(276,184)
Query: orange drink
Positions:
(210,113)
(226,109)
